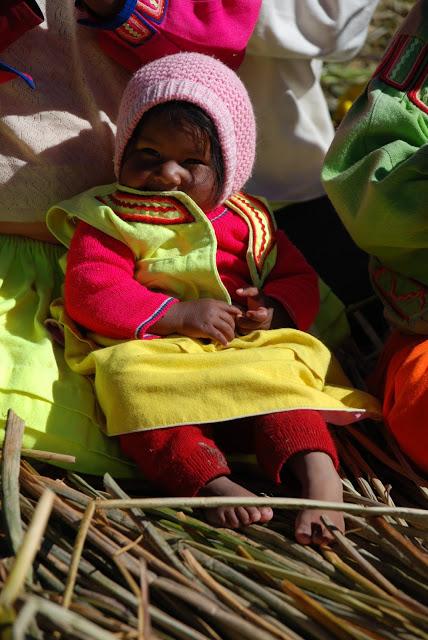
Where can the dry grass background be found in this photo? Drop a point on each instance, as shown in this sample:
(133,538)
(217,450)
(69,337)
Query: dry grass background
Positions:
(339,78)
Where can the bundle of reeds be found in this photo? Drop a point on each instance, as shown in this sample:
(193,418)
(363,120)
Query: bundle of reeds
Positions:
(83,561)
(89,563)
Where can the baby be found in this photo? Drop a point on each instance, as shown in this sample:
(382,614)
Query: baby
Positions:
(195,307)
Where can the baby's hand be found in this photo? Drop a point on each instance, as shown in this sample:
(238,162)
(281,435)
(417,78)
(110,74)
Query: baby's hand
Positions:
(204,318)
(261,312)
(257,313)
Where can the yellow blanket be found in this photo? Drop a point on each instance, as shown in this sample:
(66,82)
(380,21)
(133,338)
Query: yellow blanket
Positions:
(151,384)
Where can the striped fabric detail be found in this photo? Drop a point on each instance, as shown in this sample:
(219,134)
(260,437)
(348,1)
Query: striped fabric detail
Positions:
(261,223)
(150,209)
(219,215)
(153,317)
(8,73)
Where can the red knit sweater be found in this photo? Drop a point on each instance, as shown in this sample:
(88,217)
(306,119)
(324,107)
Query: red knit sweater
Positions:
(102,295)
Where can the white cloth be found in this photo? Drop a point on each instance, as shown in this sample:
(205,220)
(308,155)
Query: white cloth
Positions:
(56,140)
(281,71)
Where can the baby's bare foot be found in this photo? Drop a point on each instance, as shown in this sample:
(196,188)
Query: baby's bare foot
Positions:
(230,516)
(319,480)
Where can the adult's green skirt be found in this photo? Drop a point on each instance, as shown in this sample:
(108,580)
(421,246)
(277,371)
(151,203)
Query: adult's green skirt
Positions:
(57,405)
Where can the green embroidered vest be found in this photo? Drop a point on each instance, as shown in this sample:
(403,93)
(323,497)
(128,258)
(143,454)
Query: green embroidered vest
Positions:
(172,239)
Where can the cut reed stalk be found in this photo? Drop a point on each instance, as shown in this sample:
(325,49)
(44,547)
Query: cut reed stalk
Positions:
(414,514)
(10,464)
(27,550)
(77,552)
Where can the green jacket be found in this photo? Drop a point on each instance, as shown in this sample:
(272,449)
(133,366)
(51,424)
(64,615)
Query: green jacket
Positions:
(376,174)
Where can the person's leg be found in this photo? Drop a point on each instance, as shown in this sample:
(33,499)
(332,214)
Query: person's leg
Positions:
(299,442)
(177,460)
(185,461)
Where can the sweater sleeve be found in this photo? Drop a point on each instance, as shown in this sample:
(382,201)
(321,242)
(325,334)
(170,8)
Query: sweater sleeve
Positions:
(101,293)
(293,283)
(376,170)
(376,175)
(142,31)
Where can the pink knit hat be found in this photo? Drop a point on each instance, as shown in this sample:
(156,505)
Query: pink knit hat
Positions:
(207,83)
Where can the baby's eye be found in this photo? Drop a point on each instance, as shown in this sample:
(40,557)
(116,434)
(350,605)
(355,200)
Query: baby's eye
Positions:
(148,151)
(193,161)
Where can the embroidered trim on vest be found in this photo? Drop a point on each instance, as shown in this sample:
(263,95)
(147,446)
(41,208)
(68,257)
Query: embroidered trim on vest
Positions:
(260,219)
(137,29)
(152,209)
(402,61)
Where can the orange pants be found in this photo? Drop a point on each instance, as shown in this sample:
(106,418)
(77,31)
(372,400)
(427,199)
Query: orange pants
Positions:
(402,376)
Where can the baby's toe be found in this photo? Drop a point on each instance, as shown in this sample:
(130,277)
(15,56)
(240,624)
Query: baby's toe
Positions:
(266,514)
(245,516)
(231,518)
(320,534)
(303,528)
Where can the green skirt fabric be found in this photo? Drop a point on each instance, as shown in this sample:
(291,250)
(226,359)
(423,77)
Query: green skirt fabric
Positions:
(57,405)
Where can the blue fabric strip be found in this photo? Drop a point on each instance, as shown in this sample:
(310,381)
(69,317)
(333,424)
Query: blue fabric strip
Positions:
(28,79)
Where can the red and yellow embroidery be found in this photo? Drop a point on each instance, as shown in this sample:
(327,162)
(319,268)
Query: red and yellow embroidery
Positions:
(139,26)
(154,9)
(142,208)
(260,220)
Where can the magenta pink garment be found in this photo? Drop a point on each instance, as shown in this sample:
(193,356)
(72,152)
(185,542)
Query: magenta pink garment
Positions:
(102,295)
(220,28)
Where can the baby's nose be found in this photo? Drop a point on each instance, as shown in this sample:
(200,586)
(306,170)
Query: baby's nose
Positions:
(171,174)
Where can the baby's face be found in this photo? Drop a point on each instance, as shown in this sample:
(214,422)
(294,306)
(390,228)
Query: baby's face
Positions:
(162,158)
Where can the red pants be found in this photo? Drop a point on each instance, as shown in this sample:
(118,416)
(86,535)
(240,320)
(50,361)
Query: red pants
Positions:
(181,460)
(402,378)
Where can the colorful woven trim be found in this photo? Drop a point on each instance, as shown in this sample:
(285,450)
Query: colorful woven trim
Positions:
(151,209)
(139,26)
(407,297)
(261,223)
(403,61)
